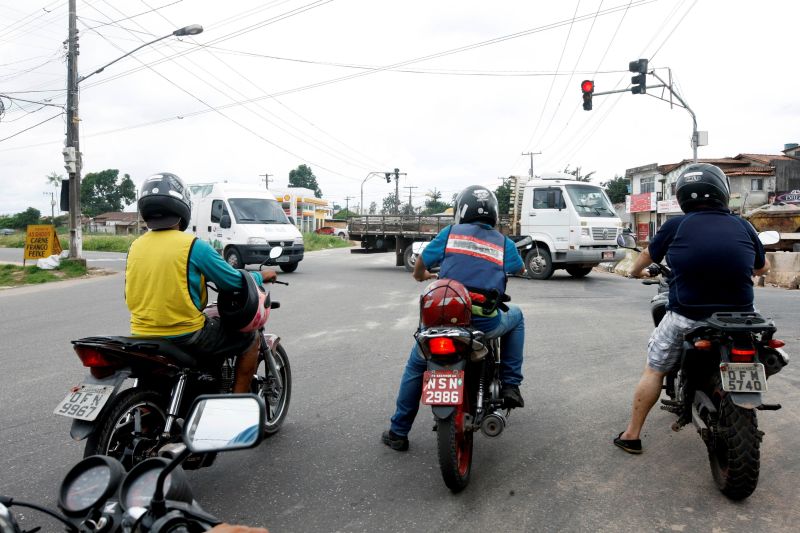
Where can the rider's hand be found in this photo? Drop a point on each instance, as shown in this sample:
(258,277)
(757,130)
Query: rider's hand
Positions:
(268,276)
(430,275)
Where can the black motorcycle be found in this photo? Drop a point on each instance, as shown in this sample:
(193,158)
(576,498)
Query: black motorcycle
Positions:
(162,381)
(718,385)
(98,495)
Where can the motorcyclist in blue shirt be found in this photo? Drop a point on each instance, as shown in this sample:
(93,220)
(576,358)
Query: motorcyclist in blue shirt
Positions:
(474,253)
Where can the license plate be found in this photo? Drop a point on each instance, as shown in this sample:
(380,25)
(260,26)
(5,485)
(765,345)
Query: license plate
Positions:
(443,387)
(84,402)
(282,259)
(743,377)
(608,255)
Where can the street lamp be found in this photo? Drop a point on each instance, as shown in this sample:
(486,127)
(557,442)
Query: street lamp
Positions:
(362,187)
(71,152)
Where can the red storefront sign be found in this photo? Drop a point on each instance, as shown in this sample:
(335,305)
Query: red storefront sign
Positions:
(645,201)
(642,232)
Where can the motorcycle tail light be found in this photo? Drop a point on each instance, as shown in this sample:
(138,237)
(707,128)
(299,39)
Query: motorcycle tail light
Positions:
(93,358)
(776,343)
(739,355)
(441,346)
(702,344)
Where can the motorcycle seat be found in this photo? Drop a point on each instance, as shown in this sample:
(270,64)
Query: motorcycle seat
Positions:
(150,345)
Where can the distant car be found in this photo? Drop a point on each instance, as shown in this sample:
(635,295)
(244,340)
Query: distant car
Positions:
(330,230)
(7,231)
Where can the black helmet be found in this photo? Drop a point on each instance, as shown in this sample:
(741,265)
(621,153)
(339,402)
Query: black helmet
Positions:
(164,201)
(245,309)
(702,185)
(476,203)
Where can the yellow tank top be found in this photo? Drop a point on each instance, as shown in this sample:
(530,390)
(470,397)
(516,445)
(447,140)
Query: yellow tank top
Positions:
(157,285)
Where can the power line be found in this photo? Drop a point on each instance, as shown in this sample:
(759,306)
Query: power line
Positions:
(31,127)
(151,10)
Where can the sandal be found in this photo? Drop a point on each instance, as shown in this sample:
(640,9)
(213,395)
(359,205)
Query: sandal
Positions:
(633,446)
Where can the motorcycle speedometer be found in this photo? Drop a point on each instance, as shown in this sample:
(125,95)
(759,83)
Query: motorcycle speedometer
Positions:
(140,484)
(89,483)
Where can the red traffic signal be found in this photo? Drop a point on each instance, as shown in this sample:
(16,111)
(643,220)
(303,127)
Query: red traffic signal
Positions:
(587,86)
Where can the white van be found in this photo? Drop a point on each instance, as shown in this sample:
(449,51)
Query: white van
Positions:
(244,224)
(572,223)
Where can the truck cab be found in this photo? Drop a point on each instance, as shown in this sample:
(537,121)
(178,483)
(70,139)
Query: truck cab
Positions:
(243,225)
(573,226)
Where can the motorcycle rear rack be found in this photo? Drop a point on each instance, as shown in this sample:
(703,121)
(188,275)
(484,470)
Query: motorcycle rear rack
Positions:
(741,322)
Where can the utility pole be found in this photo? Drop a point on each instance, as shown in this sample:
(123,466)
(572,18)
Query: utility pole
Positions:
(409,196)
(530,172)
(347,203)
(266,178)
(72,153)
(52,207)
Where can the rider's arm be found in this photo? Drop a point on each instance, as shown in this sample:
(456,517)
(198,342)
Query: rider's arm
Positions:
(216,269)
(432,255)
(420,271)
(763,270)
(513,261)
(638,268)
(761,265)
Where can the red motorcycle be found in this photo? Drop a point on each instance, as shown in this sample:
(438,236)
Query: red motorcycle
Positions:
(162,381)
(462,383)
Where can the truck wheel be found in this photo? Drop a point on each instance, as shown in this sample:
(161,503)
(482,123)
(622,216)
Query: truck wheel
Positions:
(234,258)
(578,272)
(409,259)
(289,267)
(539,263)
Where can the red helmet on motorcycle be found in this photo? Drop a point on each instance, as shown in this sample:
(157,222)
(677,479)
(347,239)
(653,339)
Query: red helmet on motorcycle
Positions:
(445,302)
(244,310)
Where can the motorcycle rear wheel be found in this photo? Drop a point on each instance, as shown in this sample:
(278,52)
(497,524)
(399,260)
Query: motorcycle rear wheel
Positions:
(276,399)
(455,449)
(130,429)
(735,454)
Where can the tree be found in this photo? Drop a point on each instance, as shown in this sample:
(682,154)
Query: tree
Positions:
(101,192)
(616,189)
(391,204)
(344,214)
(303,176)
(434,203)
(20,220)
(54,179)
(503,193)
(373,208)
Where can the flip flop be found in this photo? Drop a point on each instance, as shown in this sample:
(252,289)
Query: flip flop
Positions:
(633,446)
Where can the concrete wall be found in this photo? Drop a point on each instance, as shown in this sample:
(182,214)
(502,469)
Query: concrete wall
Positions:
(784,269)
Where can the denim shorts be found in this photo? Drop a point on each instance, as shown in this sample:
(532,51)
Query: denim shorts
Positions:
(664,346)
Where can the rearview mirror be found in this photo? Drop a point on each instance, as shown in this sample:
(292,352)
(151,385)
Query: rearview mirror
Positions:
(225,222)
(522,243)
(275,252)
(224,422)
(769,237)
(626,240)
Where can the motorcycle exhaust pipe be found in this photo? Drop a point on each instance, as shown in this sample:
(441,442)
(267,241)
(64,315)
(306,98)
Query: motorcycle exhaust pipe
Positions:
(494,424)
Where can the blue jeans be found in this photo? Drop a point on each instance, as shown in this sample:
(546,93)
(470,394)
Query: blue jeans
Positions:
(510,326)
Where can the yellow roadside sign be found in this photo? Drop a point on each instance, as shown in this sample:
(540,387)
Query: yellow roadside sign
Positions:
(41,241)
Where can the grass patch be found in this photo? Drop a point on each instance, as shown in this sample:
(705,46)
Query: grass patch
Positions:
(315,241)
(91,242)
(15,275)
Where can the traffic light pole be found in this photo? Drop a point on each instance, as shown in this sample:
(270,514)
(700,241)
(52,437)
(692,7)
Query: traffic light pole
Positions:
(695,139)
(75,237)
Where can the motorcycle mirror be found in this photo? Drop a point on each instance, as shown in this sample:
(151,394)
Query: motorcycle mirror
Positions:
(522,243)
(626,240)
(275,252)
(769,237)
(224,422)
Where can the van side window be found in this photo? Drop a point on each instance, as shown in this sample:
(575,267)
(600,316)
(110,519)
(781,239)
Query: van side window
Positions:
(218,209)
(548,199)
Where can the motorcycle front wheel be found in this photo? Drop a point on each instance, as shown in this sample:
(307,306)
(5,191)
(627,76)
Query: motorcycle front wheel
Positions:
(735,454)
(275,392)
(455,448)
(130,428)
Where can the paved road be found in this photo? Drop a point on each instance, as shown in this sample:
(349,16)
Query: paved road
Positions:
(346,322)
(107,260)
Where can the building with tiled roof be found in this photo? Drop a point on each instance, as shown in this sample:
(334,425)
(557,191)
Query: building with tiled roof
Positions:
(756,179)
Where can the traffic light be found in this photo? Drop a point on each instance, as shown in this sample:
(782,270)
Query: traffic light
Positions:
(397,173)
(388,177)
(640,80)
(587,86)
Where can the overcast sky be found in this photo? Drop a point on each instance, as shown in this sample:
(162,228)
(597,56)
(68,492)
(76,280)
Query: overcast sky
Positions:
(449,91)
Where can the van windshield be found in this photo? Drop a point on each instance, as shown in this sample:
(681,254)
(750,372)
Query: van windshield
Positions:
(257,211)
(590,201)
